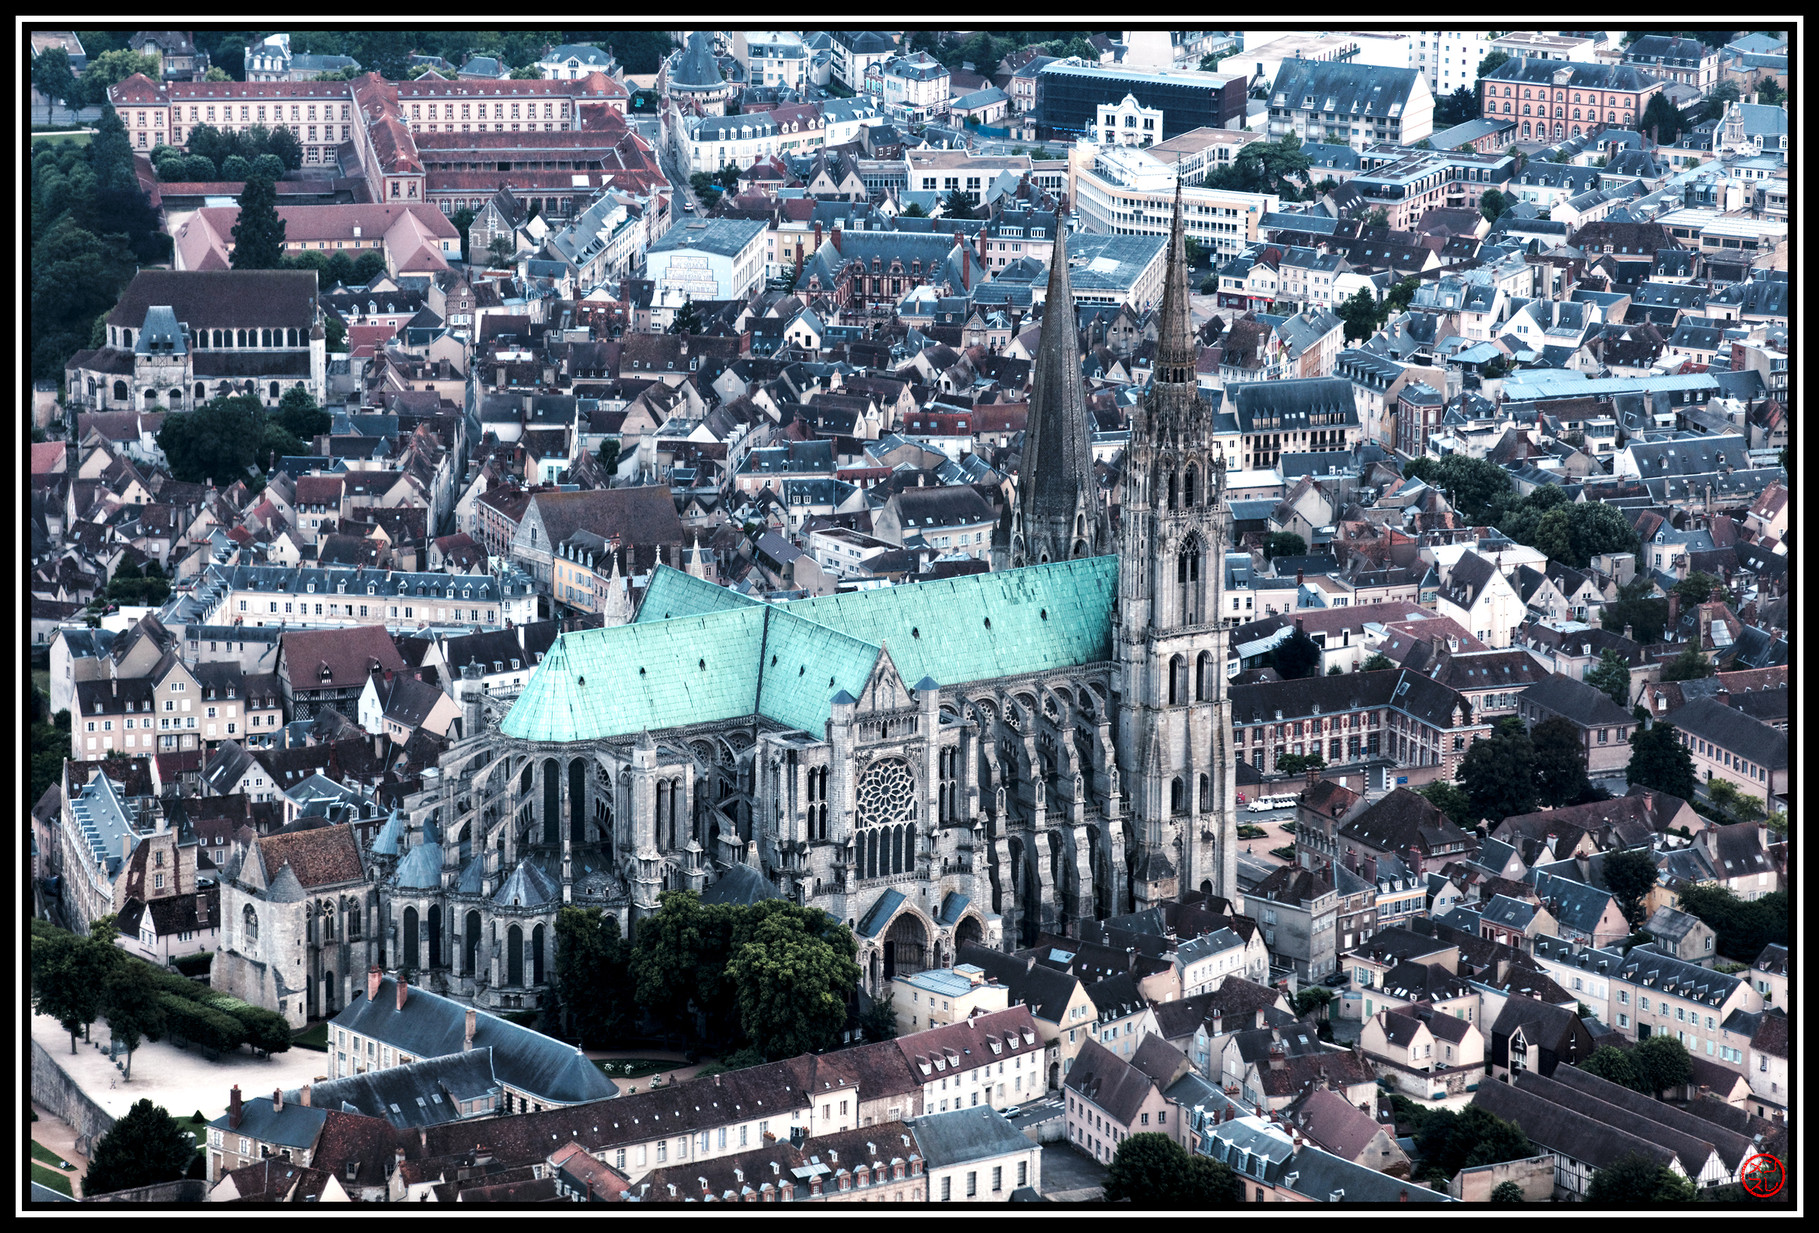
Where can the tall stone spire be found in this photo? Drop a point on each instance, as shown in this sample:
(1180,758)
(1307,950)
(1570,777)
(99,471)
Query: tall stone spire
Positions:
(1058,514)
(1176,353)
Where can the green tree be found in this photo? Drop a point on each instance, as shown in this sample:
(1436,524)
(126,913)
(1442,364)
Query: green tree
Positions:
(1715,100)
(1636,1181)
(1378,217)
(284,146)
(790,974)
(1506,1193)
(678,954)
(216,74)
(236,167)
(1456,108)
(728,177)
(1690,665)
(1299,764)
(66,976)
(1658,760)
(609,454)
(299,415)
(1296,656)
(268,167)
(199,169)
(145,1147)
(1377,662)
(76,276)
(1661,1062)
(130,1005)
(1612,675)
(112,67)
(1449,1141)
(1661,119)
(592,980)
(1637,607)
(1559,765)
(1743,928)
(216,441)
(1630,875)
(52,77)
(529,72)
(1283,544)
(957,205)
(913,210)
(1400,297)
(1493,204)
(1611,1064)
(1153,1170)
(502,251)
(1492,61)
(1498,773)
(258,231)
(463,219)
(1696,588)
(687,320)
(334,334)
(880,1022)
(1478,488)
(1734,803)
(1360,314)
(1315,1000)
(1210,61)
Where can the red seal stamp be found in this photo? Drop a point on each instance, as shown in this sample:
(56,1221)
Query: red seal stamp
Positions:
(1763,1176)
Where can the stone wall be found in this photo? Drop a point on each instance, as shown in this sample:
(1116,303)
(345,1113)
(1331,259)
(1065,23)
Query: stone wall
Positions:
(1535,1174)
(53,1088)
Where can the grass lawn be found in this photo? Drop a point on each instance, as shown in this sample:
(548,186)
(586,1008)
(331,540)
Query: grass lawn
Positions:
(52,1178)
(315,1036)
(199,1129)
(41,1152)
(641,1066)
(80,139)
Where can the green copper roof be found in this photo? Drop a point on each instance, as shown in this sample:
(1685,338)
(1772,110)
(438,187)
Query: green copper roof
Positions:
(699,653)
(672,593)
(982,626)
(630,678)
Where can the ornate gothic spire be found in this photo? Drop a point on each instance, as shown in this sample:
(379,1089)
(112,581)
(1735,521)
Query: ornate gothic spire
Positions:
(1175,350)
(1056,489)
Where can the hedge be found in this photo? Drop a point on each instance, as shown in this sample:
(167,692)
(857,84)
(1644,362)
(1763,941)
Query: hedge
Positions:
(201,1025)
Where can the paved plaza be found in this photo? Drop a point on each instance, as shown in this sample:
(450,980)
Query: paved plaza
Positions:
(181,1080)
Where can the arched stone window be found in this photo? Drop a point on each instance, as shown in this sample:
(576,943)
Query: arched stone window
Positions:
(1206,793)
(1188,490)
(410,939)
(1177,795)
(1177,669)
(265,338)
(120,391)
(249,924)
(1203,685)
(537,955)
(274,390)
(514,956)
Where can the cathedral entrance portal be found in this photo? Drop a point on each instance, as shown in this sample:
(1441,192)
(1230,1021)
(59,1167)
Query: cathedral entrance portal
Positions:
(905,947)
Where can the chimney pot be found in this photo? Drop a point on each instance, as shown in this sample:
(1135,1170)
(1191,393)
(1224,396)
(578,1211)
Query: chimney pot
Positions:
(373,976)
(401,993)
(277,1099)
(234,1108)
(303,1096)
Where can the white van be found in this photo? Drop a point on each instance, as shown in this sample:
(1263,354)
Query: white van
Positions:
(1267,804)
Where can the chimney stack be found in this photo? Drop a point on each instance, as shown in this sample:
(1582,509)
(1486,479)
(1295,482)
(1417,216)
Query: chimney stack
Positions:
(277,1100)
(401,992)
(467,1038)
(373,976)
(303,1096)
(233,1108)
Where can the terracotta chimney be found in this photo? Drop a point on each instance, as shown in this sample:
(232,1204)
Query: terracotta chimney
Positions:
(303,1096)
(467,1036)
(401,992)
(277,1100)
(374,975)
(233,1108)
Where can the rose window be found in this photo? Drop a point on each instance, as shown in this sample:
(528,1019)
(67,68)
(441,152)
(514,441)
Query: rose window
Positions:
(886,793)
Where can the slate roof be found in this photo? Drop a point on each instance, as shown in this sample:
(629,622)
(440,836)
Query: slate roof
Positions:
(1354,90)
(1583,704)
(1565,1131)
(1637,1111)
(349,654)
(425,1092)
(294,1125)
(1333,1122)
(741,885)
(966,1135)
(1044,990)
(430,1026)
(1404,819)
(1109,1082)
(1730,728)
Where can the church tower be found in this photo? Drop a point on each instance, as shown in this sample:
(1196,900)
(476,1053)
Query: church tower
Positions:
(1175,724)
(1058,514)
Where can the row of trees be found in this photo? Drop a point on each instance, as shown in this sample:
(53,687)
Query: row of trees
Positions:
(76,980)
(92,226)
(144,1148)
(1743,927)
(49,744)
(1650,1066)
(224,437)
(1517,770)
(772,977)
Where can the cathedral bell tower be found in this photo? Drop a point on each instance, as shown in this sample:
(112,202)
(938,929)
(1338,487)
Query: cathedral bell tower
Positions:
(1175,725)
(1058,514)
